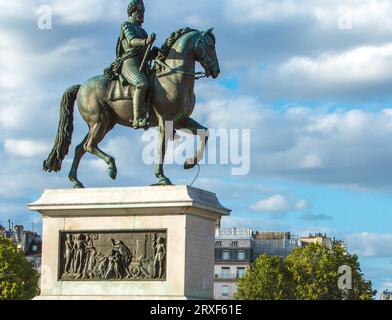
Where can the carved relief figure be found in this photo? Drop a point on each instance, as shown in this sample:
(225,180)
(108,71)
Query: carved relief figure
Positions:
(114,267)
(125,255)
(88,251)
(92,263)
(103,263)
(69,254)
(160,256)
(79,247)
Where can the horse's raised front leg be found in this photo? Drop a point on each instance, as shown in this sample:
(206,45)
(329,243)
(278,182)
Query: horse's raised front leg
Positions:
(198,130)
(161,151)
(73,173)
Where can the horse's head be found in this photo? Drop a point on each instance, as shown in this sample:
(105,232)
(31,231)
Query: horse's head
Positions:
(206,53)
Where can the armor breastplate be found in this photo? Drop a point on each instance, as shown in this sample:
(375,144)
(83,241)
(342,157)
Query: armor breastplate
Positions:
(130,31)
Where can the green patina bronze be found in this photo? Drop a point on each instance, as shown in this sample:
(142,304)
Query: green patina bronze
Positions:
(171,94)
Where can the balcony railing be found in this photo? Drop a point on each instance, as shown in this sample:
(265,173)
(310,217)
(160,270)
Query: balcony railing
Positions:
(227,276)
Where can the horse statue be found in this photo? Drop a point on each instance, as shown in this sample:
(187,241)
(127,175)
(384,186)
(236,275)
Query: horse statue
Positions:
(172,99)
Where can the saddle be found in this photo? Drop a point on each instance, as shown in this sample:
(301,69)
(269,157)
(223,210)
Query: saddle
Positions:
(120,89)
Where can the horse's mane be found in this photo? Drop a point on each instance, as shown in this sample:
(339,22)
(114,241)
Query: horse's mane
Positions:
(169,43)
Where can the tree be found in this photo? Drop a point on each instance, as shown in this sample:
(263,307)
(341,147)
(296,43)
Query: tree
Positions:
(18,279)
(309,273)
(315,274)
(267,279)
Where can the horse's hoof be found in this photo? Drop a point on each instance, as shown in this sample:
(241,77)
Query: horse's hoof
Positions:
(78,185)
(165,182)
(189,164)
(112,173)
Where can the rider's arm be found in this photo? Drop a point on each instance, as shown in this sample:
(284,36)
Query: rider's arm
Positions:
(137,42)
(131,38)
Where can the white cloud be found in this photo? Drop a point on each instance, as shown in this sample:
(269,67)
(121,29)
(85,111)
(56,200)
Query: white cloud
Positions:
(14,8)
(330,74)
(20,70)
(25,148)
(275,203)
(279,203)
(251,11)
(68,11)
(358,65)
(311,161)
(371,14)
(89,10)
(363,14)
(232,113)
(198,21)
(327,146)
(370,244)
(9,117)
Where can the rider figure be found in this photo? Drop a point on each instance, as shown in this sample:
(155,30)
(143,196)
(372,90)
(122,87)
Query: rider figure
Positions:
(133,43)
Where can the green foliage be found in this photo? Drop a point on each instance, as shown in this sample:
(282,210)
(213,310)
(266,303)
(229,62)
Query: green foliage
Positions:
(267,279)
(309,273)
(18,279)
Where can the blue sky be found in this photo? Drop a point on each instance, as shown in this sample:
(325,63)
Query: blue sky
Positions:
(310,79)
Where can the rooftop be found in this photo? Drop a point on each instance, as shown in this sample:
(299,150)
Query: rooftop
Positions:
(233,233)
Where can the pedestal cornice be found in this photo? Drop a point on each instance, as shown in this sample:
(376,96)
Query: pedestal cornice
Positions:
(167,200)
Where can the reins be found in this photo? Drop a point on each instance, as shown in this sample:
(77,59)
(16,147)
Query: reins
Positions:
(197,75)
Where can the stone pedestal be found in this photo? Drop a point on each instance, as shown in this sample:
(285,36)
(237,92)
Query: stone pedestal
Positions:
(169,227)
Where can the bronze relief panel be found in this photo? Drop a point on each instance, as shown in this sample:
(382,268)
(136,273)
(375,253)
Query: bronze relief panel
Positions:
(113,255)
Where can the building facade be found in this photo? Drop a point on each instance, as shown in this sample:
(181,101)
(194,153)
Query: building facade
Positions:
(27,241)
(233,255)
(277,244)
(322,239)
(236,249)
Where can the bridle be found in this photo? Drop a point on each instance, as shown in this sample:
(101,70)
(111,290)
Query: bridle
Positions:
(197,75)
(206,61)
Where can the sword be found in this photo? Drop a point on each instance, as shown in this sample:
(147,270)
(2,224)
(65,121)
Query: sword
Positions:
(153,35)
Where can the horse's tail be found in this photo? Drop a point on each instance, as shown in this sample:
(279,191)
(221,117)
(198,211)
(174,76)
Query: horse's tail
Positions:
(64,131)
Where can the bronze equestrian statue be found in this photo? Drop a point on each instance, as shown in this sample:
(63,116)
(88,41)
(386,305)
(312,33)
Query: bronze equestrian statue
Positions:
(107,100)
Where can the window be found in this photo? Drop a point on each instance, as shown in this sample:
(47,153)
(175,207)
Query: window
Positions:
(226,255)
(225,272)
(241,254)
(225,291)
(234,244)
(240,272)
(218,243)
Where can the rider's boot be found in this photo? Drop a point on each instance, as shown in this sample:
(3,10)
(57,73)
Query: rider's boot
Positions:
(139,120)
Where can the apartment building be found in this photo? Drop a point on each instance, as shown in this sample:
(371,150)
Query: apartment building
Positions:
(237,248)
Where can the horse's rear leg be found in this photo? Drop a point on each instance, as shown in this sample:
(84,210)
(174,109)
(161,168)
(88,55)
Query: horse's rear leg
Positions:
(95,136)
(73,173)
